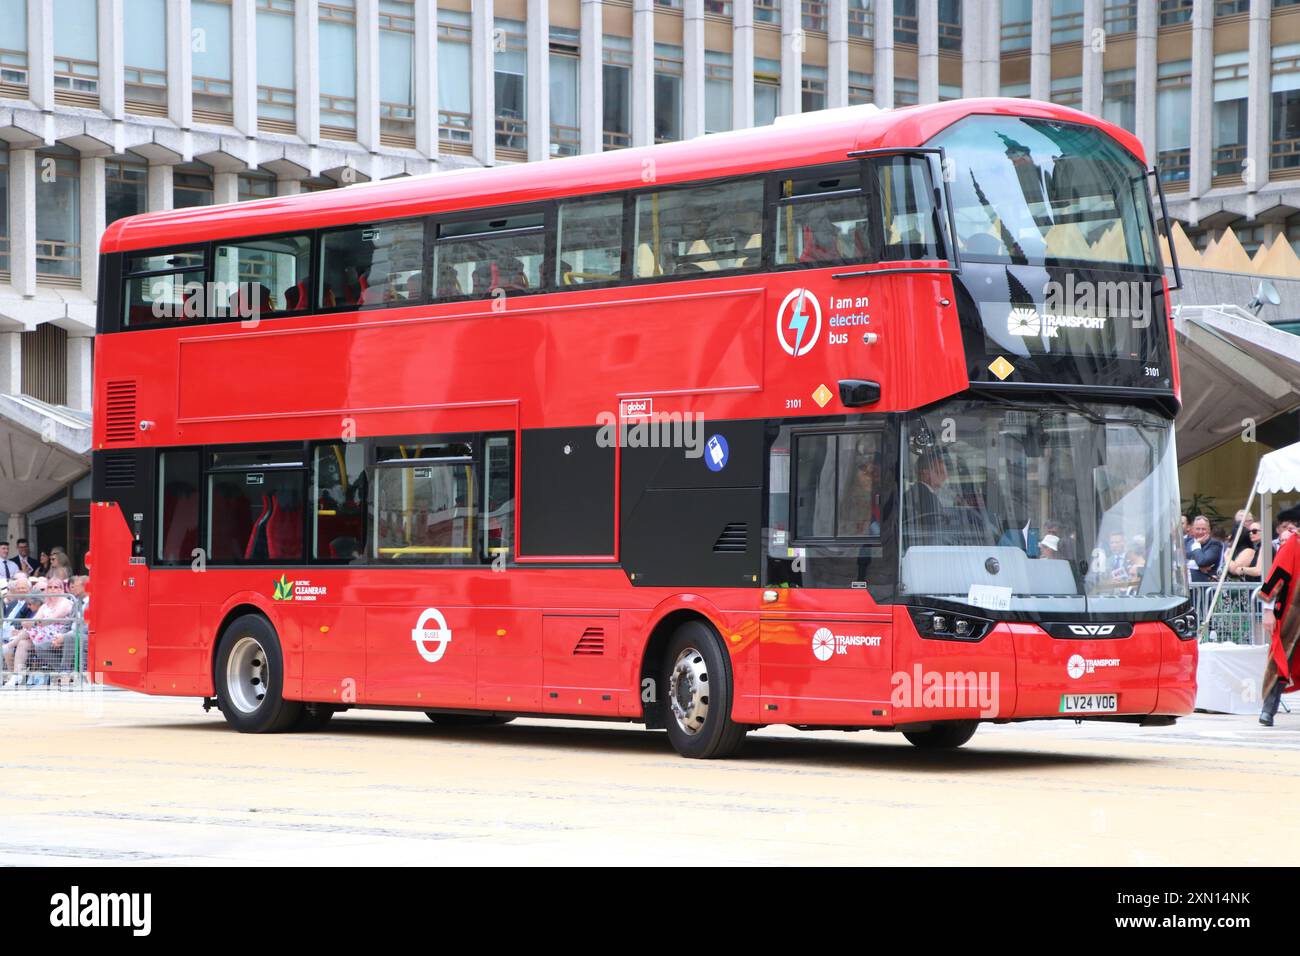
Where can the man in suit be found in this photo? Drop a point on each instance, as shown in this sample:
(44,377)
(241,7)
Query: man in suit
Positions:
(24,560)
(1203,552)
(928,516)
(9,568)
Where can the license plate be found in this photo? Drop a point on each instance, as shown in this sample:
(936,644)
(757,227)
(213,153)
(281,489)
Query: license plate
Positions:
(1089,703)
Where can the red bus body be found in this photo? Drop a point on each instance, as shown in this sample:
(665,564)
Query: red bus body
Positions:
(551,360)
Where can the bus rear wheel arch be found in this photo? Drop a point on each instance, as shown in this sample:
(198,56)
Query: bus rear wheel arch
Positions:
(697,691)
(249,677)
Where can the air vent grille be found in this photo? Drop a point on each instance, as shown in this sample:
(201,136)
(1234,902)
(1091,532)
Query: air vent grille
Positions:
(592,642)
(733,540)
(119,412)
(119,470)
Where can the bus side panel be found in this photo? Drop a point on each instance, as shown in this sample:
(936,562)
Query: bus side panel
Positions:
(825,670)
(178,650)
(509,666)
(953,680)
(119,601)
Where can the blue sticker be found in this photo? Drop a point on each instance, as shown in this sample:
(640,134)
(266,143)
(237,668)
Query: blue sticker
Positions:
(716,453)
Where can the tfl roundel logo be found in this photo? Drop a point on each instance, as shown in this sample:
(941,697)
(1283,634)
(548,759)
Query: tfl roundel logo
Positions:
(431,628)
(798,322)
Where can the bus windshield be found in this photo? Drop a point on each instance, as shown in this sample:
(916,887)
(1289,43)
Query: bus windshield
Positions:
(1040,192)
(1057,509)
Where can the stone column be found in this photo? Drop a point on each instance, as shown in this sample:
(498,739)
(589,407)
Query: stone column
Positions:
(288,187)
(11,363)
(426,80)
(92,223)
(243,65)
(538,104)
(1202,132)
(112,85)
(643,72)
(180,65)
(972,49)
(990,22)
(40,53)
(591,78)
(884,47)
(482,84)
(368,74)
(1145,78)
(742,64)
(162,181)
(792,43)
(1040,51)
(692,68)
(1259,96)
(306,69)
(837,53)
(225,188)
(1094,49)
(927,51)
(80,393)
(22,220)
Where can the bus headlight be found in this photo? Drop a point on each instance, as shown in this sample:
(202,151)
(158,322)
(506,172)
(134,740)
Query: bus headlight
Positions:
(947,626)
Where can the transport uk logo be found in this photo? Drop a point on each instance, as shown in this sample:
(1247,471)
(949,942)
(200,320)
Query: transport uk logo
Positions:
(1025,322)
(1078,665)
(423,635)
(827,644)
(799,322)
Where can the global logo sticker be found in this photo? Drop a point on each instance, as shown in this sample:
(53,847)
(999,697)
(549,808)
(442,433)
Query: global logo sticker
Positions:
(423,635)
(798,322)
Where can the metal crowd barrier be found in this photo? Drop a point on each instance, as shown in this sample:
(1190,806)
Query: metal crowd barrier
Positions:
(1238,615)
(57,653)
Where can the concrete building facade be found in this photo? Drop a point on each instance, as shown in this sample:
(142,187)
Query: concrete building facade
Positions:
(113,107)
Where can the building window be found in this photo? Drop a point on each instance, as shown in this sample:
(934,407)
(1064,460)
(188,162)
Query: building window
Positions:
(210,24)
(4,209)
(814,88)
(950,25)
(767,91)
(126,187)
(949,91)
(338,69)
(276,100)
(1173,120)
(617,82)
(814,16)
(906,92)
(58,213)
(1017,24)
(511,65)
(397,73)
(76,53)
(1068,91)
(1067,21)
(1119,16)
(1119,98)
(144,55)
(256,186)
(191,186)
(718,79)
(860,88)
(668,93)
(1174,12)
(767,11)
(1231,77)
(1229,8)
(860,19)
(905,27)
(565,131)
(13,47)
(45,364)
(454,107)
(717,8)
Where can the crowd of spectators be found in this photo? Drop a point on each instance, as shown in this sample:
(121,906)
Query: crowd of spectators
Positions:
(1209,548)
(42,637)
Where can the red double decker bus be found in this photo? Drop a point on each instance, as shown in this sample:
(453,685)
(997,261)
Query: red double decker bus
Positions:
(861,421)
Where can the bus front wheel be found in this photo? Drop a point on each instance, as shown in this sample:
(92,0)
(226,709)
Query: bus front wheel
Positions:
(250,678)
(698,685)
(947,736)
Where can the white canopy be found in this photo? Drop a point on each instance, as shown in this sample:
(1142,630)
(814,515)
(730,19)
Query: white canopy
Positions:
(1279,471)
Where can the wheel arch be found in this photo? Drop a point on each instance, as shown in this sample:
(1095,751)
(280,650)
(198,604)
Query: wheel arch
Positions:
(236,606)
(668,616)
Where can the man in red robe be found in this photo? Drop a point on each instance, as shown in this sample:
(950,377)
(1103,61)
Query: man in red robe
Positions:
(1282,675)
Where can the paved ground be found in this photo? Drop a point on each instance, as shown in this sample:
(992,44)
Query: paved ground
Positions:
(114,777)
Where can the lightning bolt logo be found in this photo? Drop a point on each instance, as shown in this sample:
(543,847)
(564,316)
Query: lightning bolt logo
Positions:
(804,310)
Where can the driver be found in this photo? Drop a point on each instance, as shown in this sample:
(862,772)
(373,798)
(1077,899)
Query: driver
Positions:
(928,513)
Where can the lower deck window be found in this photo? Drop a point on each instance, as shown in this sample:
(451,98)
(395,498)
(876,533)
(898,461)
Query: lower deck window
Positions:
(424,504)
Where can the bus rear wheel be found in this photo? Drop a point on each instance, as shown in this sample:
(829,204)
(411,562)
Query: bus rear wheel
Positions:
(314,717)
(250,678)
(466,720)
(946,736)
(698,685)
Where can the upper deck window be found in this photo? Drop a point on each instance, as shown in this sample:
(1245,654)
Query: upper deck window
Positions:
(1031,191)
(478,257)
(699,229)
(262,276)
(821,220)
(374,264)
(589,243)
(163,287)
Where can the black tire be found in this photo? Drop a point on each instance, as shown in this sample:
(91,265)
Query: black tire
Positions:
(700,725)
(466,720)
(313,717)
(256,706)
(946,736)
